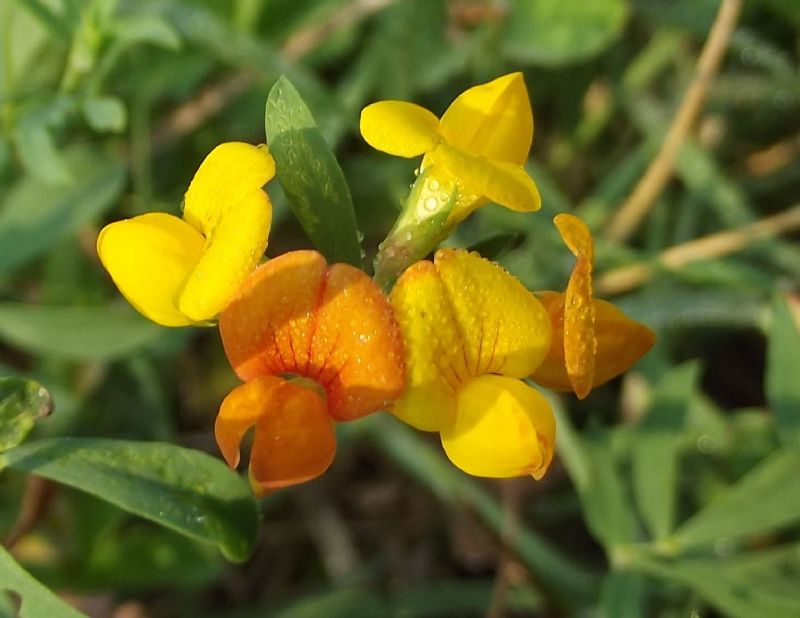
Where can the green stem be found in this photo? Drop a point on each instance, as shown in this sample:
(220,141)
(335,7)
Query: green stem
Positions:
(421,226)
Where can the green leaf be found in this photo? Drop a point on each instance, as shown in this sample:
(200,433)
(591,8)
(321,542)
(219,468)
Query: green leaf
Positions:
(607,510)
(38,152)
(48,18)
(557,32)
(76,333)
(767,498)
(783,373)
(36,214)
(763,583)
(656,445)
(37,600)
(623,595)
(182,489)
(310,176)
(106,114)
(145,28)
(589,461)
(141,557)
(22,402)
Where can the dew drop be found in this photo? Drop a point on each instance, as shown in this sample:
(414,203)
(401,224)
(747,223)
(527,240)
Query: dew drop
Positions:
(430,204)
(435,185)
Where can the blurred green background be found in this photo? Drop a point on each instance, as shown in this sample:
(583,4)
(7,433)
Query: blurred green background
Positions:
(676,490)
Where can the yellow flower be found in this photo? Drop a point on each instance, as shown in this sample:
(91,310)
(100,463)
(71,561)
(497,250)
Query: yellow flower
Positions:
(476,151)
(471,332)
(593,341)
(178,272)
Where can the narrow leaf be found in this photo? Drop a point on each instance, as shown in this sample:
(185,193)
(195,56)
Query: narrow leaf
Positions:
(557,32)
(656,446)
(22,402)
(37,600)
(106,114)
(310,176)
(35,214)
(623,595)
(783,373)
(76,333)
(766,499)
(184,490)
(757,584)
(606,507)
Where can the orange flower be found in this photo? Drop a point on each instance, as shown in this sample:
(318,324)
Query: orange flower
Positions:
(592,340)
(314,344)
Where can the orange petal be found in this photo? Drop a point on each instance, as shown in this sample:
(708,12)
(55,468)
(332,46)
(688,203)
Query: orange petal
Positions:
(357,350)
(332,325)
(267,326)
(239,412)
(620,343)
(294,440)
(580,343)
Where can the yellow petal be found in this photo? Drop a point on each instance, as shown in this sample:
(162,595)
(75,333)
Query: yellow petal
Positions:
(503,428)
(233,249)
(149,258)
(462,317)
(435,361)
(493,120)
(506,184)
(399,128)
(228,176)
(580,344)
(227,204)
(504,327)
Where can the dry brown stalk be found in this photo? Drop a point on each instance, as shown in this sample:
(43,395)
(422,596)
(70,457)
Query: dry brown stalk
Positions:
(627,218)
(708,247)
(210,101)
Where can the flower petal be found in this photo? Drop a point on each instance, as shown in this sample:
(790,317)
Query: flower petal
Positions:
(493,120)
(294,440)
(503,326)
(233,249)
(150,258)
(620,343)
(400,128)
(357,350)
(506,184)
(435,359)
(228,176)
(266,328)
(239,412)
(461,317)
(227,204)
(332,325)
(503,428)
(580,344)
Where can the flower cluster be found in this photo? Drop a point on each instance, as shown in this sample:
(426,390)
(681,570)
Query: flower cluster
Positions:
(448,349)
